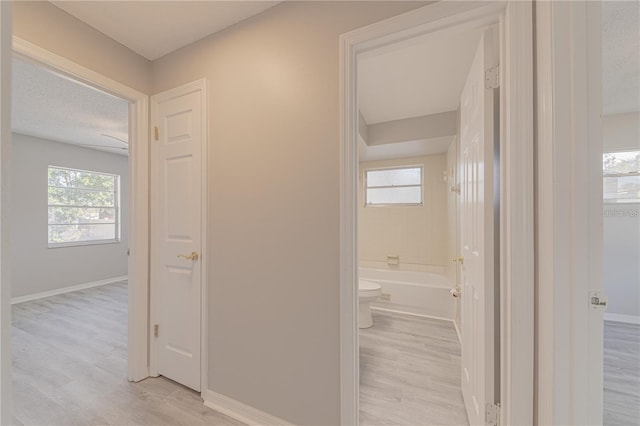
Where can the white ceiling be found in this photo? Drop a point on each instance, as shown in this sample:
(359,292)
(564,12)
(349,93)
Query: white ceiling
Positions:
(417,77)
(420,77)
(154,28)
(50,106)
(620,56)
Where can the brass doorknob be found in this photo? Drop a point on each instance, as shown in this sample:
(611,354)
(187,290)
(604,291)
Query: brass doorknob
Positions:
(193,256)
(458,259)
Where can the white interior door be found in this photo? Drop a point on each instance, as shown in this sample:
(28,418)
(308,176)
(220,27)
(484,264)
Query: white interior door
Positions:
(176,247)
(477,233)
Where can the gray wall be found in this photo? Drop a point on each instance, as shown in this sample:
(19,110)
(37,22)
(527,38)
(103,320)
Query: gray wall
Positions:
(43,24)
(35,267)
(621,267)
(274,307)
(621,264)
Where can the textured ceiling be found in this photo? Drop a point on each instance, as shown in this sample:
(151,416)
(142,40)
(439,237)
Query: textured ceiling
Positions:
(420,77)
(154,28)
(50,106)
(620,56)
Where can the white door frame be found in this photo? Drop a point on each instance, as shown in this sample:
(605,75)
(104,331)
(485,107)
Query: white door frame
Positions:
(6,412)
(138,344)
(517,208)
(202,86)
(569,209)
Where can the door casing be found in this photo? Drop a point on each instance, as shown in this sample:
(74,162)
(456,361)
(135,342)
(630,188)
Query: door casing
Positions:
(6,394)
(138,344)
(517,173)
(569,209)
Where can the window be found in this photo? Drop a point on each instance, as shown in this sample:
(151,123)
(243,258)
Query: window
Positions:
(398,186)
(83,207)
(621,181)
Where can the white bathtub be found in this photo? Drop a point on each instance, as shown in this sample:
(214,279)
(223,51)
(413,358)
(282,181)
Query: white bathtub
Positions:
(423,293)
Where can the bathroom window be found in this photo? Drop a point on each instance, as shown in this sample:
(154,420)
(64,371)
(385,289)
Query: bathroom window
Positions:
(84,207)
(621,177)
(393,187)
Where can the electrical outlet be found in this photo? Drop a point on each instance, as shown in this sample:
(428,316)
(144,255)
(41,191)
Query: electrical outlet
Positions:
(385,297)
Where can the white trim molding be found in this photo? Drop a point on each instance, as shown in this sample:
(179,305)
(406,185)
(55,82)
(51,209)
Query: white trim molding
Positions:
(452,321)
(138,343)
(517,242)
(69,289)
(204,313)
(6,409)
(628,319)
(240,411)
(412,314)
(569,213)
(517,216)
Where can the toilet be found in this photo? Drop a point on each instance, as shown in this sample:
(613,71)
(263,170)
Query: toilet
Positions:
(367,292)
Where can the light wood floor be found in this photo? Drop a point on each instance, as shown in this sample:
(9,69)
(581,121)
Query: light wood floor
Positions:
(69,359)
(410,372)
(621,374)
(69,367)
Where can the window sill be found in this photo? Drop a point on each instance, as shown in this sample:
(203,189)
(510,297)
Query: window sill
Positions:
(396,205)
(82,243)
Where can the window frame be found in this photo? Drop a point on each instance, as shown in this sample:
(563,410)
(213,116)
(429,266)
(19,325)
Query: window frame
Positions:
(605,175)
(376,169)
(116,207)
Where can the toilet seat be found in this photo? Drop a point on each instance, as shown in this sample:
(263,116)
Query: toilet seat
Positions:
(368,289)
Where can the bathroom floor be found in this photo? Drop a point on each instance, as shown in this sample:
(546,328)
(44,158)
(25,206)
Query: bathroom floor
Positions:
(410,372)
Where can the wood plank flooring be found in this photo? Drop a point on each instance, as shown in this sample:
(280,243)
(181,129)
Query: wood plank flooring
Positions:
(69,359)
(69,367)
(410,372)
(621,374)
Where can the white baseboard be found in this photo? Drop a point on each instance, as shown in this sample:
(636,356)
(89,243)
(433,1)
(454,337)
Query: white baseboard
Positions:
(239,411)
(630,319)
(414,314)
(396,311)
(69,289)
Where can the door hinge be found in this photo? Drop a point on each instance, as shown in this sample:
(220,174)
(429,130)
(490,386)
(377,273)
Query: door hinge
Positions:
(492,415)
(156,133)
(492,78)
(597,300)
(156,328)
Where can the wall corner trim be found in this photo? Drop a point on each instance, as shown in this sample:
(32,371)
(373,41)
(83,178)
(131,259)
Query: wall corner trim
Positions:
(240,411)
(69,289)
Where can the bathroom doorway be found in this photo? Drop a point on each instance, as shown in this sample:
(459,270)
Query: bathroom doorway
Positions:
(418,101)
(403,271)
